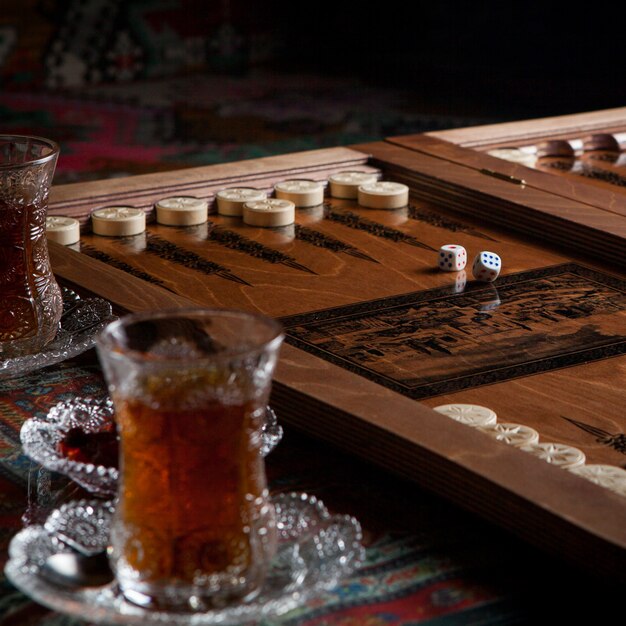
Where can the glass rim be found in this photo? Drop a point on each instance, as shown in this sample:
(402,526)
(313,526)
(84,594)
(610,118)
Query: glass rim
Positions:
(109,338)
(53,145)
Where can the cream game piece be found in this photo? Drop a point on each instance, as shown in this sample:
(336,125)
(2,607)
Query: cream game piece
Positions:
(383,195)
(470,414)
(230,201)
(118,221)
(556,453)
(268,213)
(346,184)
(181,211)
(303,193)
(514,434)
(609,476)
(63,230)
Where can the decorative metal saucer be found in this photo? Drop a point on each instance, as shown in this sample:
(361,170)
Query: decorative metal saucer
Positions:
(81,321)
(41,439)
(315,551)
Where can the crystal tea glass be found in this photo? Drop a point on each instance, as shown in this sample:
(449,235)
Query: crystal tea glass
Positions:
(30,298)
(194,527)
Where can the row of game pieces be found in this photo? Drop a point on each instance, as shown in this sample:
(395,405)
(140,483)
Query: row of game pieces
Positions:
(527,439)
(453,258)
(253,206)
(604,143)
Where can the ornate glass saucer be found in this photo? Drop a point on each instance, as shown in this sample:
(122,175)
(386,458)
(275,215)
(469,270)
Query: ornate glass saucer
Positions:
(41,440)
(81,321)
(316,550)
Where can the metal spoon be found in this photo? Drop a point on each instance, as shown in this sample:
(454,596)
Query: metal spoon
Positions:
(72,569)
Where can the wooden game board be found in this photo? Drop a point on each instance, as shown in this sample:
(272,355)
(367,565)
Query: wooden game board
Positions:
(579,203)
(376,336)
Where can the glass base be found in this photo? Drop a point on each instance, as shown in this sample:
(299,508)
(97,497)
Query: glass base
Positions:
(185,599)
(81,322)
(316,549)
(27,345)
(192,584)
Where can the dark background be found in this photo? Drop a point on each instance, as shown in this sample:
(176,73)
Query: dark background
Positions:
(502,59)
(506,60)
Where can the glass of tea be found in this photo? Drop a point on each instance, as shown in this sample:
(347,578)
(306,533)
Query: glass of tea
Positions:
(30,299)
(194,526)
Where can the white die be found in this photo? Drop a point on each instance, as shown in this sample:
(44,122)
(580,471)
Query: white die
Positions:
(452,258)
(487,266)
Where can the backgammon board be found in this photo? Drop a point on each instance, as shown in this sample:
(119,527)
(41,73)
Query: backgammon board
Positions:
(377,336)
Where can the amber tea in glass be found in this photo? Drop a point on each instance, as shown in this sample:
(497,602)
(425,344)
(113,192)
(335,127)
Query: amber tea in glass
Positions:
(30,298)
(194,526)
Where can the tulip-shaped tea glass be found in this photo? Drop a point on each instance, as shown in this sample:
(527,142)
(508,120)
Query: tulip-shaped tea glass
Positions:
(30,299)
(194,527)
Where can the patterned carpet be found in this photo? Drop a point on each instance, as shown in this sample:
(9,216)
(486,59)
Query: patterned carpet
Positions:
(150,126)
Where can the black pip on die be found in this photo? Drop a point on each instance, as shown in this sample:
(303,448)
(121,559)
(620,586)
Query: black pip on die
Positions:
(452,258)
(487,266)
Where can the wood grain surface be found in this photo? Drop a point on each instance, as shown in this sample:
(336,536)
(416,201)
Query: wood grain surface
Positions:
(540,213)
(535,130)
(604,197)
(344,279)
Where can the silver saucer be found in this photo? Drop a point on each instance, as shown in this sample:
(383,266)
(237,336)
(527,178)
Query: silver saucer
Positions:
(316,550)
(41,438)
(81,321)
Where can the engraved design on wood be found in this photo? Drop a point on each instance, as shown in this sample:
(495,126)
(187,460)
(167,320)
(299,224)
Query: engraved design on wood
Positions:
(604,157)
(596,173)
(616,441)
(181,256)
(434,219)
(99,255)
(234,241)
(586,170)
(321,240)
(427,343)
(352,220)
